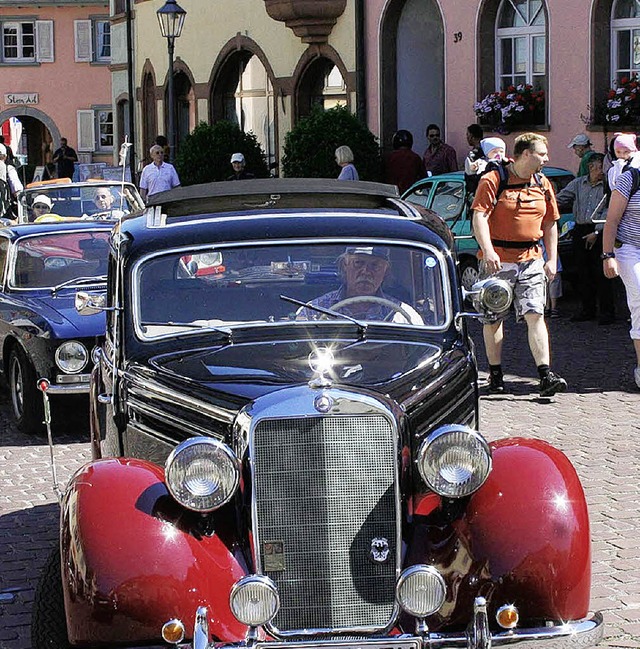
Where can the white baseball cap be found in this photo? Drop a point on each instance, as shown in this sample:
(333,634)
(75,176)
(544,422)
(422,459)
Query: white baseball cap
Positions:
(579,140)
(237,157)
(44,199)
(3,149)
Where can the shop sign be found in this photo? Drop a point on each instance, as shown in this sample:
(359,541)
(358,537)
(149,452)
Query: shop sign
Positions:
(13,98)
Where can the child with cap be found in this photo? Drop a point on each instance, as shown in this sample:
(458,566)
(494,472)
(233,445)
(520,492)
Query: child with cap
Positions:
(41,205)
(626,152)
(493,151)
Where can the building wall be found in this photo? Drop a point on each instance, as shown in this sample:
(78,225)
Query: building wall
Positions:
(63,86)
(569,65)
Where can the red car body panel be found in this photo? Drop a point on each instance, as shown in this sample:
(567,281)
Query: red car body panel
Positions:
(133,561)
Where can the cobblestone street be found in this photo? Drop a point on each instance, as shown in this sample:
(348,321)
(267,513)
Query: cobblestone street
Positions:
(595,423)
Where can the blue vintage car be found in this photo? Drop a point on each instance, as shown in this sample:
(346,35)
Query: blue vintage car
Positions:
(445,194)
(41,334)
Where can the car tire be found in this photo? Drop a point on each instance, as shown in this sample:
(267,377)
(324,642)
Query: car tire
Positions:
(48,621)
(469,274)
(26,400)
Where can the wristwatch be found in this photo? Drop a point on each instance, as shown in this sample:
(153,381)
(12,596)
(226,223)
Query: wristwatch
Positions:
(608,255)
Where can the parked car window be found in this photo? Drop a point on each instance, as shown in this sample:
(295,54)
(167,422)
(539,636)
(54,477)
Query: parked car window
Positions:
(448,200)
(4,249)
(45,261)
(243,285)
(81,201)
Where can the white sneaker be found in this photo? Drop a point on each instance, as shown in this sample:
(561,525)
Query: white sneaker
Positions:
(636,376)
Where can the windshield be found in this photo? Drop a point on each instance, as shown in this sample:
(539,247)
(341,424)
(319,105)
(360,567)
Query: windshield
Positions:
(99,201)
(49,260)
(228,286)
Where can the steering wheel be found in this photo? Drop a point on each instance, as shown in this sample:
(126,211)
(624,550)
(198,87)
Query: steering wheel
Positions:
(396,308)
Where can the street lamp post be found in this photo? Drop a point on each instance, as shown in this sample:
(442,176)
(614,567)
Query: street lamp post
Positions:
(171,19)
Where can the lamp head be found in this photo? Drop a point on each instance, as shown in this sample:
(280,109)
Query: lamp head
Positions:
(171,19)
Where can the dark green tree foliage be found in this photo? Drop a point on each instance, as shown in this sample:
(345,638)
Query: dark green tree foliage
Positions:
(309,149)
(205,154)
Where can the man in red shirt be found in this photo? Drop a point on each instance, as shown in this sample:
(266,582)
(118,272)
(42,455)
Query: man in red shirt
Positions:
(402,167)
(439,158)
(508,225)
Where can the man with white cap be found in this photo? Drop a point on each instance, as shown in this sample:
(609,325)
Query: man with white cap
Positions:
(581,145)
(238,163)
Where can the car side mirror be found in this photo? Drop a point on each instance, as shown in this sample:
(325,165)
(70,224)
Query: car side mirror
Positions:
(90,303)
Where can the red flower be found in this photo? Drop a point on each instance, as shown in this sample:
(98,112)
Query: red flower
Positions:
(624,80)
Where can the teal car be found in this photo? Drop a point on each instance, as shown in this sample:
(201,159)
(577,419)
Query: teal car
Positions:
(445,194)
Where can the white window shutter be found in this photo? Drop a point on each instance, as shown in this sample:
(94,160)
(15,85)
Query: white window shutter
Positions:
(44,41)
(86,130)
(82,32)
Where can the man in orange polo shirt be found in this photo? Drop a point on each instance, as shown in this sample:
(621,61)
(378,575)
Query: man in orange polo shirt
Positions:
(509,222)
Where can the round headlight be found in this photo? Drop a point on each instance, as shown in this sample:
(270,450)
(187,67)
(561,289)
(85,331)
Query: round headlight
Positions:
(454,461)
(72,357)
(254,600)
(495,295)
(421,590)
(202,474)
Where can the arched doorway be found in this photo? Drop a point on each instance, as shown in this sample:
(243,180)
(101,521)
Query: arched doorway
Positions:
(33,136)
(149,113)
(185,106)
(412,68)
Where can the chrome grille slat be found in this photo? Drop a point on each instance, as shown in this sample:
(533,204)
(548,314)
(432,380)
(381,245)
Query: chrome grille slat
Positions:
(325,487)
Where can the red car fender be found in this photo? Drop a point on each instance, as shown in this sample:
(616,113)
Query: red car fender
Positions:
(133,559)
(529,526)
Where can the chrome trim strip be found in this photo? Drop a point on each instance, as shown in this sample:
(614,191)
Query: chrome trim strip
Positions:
(189,428)
(152,432)
(71,388)
(572,635)
(300,400)
(156,391)
(439,254)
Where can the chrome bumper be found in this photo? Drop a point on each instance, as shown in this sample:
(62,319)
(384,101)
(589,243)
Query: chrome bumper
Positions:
(78,388)
(572,635)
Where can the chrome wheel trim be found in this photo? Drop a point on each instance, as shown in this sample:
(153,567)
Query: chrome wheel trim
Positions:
(469,276)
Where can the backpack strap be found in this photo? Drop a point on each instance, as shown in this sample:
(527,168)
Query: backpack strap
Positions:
(635,180)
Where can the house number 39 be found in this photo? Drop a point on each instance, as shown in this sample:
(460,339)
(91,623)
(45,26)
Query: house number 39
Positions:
(457,37)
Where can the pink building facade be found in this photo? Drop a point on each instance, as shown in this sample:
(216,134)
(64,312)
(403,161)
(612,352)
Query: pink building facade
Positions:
(431,60)
(55,79)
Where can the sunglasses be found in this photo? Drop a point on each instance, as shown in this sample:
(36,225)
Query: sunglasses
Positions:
(40,206)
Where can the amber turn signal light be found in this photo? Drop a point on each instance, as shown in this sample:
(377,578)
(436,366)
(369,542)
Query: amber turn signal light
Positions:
(173,632)
(507,616)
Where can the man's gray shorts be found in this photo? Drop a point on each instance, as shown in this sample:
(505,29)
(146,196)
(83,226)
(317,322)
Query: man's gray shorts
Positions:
(529,283)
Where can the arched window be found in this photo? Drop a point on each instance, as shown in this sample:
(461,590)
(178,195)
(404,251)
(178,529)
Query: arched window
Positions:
(521,44)
(321,85)
(244,95)
(625,38)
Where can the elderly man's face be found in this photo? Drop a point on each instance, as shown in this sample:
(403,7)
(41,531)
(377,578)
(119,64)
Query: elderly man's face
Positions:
(364,274)
(103,199)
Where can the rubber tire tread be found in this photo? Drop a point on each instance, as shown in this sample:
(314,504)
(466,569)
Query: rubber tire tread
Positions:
(48,621)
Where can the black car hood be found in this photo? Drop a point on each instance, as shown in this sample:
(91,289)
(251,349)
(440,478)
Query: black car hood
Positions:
(249,370)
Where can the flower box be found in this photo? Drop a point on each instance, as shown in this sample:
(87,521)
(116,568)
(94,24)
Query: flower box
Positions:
(513,108)
(623,103)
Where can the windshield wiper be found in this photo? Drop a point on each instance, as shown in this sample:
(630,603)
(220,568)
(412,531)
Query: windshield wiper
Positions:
(192,325)
(362,326)
(99,279)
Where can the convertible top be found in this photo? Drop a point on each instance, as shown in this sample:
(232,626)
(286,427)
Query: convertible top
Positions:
(277,193)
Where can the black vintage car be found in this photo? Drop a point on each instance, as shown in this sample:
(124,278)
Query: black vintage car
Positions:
(285,428)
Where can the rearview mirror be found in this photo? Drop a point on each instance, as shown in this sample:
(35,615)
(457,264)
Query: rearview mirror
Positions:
(90,303)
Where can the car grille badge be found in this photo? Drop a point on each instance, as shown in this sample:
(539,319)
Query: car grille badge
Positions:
(273,556)
(380,550)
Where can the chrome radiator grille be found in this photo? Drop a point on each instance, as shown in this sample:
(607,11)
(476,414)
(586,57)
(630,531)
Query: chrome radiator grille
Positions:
(324,489)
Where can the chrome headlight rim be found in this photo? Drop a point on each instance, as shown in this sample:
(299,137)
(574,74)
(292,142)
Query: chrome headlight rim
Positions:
(250,581)
(483,290)
(411,573)
(478,476)
(172,466)
(63,348)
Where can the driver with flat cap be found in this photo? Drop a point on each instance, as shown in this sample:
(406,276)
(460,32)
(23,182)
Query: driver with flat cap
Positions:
(363,269)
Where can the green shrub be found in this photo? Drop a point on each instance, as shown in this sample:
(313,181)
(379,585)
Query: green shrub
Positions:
(309,149)
(205,154)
